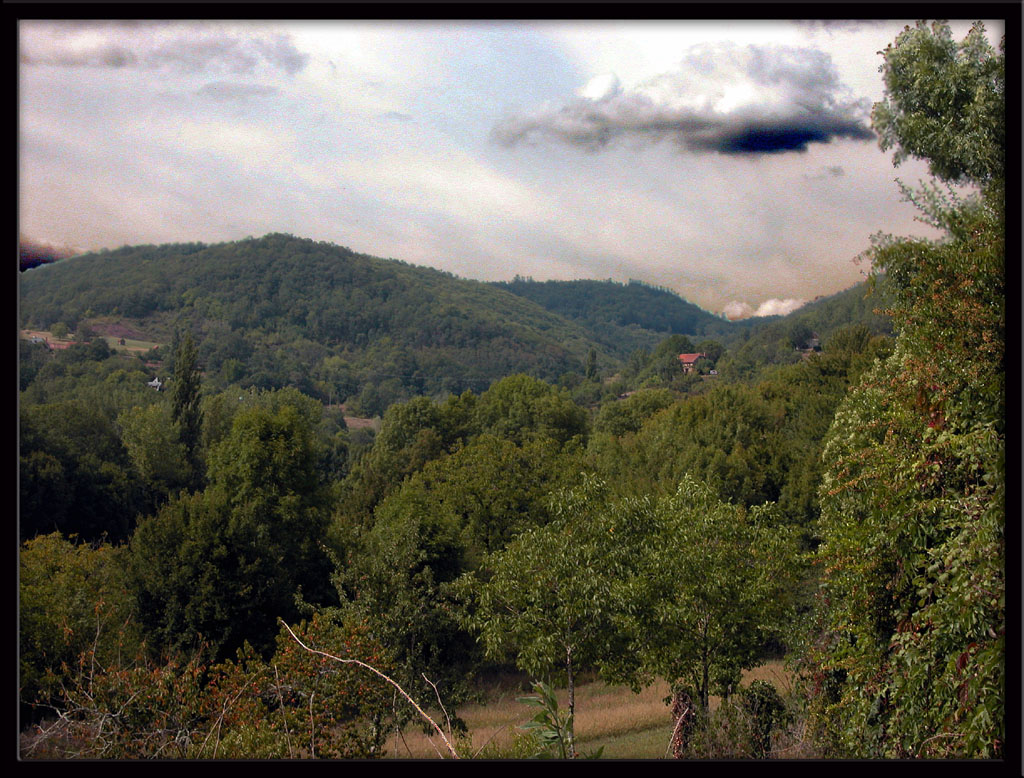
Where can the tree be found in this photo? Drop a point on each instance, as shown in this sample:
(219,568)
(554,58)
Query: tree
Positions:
(620,417)
(394,580)
(186,410)
(545,598)
(224,563)
(521,408)
(151,438)
(944,102)
(75,475)
(72,603)
(908,659)
(707,586)
(320,702)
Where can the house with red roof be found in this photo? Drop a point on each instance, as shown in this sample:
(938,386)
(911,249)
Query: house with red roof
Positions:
(689,361)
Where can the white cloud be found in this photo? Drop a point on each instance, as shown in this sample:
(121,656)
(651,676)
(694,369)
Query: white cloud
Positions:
(602,87)
(722,98)
(177,46)
(737,309)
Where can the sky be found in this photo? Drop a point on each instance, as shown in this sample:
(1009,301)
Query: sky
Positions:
(731,162)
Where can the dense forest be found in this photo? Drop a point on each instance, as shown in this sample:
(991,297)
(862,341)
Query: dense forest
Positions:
(233,453)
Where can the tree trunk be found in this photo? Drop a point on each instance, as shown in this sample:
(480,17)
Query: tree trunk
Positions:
(684,716)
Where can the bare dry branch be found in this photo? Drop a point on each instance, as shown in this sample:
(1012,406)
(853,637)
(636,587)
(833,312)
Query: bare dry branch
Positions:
(440,704)
(312,748)
(284,718)
(377,672)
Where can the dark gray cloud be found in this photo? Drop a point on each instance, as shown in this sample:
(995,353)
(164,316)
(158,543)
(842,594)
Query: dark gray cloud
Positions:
(724,98)
(164,46)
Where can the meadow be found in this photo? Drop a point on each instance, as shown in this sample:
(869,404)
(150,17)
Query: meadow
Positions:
(623,725)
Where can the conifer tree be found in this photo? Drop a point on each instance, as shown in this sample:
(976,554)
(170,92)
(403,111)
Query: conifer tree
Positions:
(186,411)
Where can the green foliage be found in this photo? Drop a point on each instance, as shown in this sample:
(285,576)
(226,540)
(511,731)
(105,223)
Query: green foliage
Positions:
(520,408)
(550,729)
(630,414)
(494,489)
(412,434)
(273,312)
(224,563)
(439,523)
(307,705)
(912,601)
(185,406)
(533,601)
(707,586)
(944,102)
(74,474)
(150,436)
(909,655)
(622,317)
(294,705)
(729,436)
(772,342)
(32,357)
(767,712)
(759,443)
(465,516)
(72,601)
(545,599)
(750,725)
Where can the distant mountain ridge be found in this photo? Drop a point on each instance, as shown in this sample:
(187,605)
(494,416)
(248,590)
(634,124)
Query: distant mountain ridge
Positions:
(620,315)
(281,310)
(285,311)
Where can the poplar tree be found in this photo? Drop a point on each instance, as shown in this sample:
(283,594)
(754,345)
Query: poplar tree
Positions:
(186,411)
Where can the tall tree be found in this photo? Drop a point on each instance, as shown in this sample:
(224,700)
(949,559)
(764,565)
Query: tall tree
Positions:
(186,410)
(225,562)
(909,656)
(944,103)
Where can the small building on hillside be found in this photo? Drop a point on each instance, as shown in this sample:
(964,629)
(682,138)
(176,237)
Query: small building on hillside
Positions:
(689,361)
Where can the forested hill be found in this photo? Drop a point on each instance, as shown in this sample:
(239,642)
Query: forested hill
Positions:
(279,311)
(621,315)
(282,311)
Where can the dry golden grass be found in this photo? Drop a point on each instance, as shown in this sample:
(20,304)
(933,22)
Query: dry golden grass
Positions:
(627,725)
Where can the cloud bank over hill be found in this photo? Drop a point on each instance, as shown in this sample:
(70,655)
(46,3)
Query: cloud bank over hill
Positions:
(729,161)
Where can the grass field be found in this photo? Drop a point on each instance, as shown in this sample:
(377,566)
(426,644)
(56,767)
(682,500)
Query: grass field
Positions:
(625,725)
(130,345)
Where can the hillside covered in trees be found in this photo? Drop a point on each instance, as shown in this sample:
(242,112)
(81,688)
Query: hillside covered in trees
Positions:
(536,495)
(620,315)
(282,311)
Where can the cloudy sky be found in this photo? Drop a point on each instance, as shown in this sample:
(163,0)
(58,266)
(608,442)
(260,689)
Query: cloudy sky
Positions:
(731,162)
